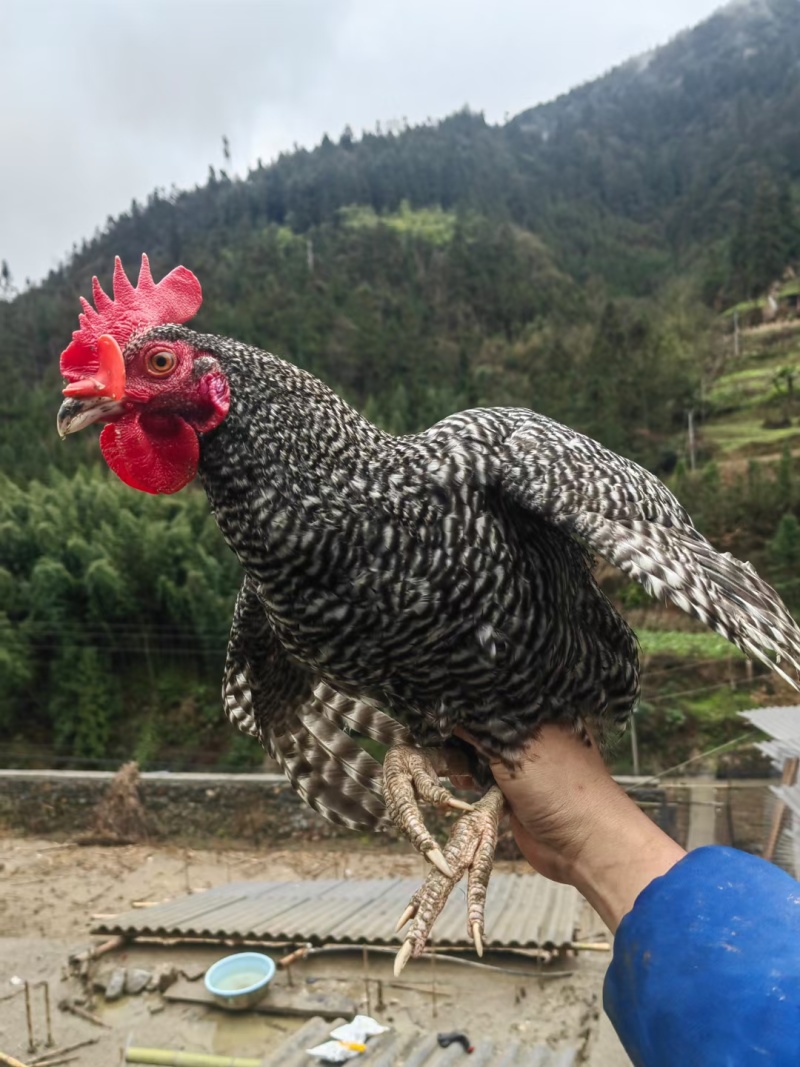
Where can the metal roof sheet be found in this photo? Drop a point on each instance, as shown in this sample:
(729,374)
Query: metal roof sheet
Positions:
(421,1049)
(781,723)
(522,911)
(790,795)
(777,751)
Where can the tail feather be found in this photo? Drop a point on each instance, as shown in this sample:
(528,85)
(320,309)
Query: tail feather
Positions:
(361,716)
(330,771)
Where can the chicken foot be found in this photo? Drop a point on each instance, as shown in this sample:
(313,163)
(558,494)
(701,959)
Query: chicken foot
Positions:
(409,776)
(469,849)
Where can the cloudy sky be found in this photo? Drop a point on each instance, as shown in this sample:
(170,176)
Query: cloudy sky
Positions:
(104,100)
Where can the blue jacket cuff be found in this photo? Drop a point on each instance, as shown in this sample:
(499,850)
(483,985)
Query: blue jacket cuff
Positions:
(706,967)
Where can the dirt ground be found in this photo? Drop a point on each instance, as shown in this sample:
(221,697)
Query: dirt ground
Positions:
(51,891)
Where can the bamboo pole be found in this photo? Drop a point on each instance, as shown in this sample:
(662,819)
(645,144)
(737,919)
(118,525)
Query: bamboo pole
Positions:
(9,1061)
(166,1058)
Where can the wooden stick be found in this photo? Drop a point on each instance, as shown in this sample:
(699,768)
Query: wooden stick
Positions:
(365,965)
(293,957)
(29,1018)
(82,1013)
(426,991)
(55,1062)
(37,1061)
(590,946)
(788,778)
(99,950)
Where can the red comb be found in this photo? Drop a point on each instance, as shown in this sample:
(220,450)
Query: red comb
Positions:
(176,298)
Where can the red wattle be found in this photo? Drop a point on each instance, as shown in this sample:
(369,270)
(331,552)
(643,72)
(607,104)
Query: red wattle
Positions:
(153,453)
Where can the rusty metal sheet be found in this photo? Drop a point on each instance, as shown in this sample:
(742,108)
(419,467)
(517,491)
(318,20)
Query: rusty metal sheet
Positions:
(421,1049)
(522,911)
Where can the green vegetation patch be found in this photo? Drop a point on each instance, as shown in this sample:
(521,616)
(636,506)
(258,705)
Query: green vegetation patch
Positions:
(740,434)
(686,645)
(745,306)
(432,224)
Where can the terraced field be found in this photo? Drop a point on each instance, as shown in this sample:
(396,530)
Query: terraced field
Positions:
(753,407)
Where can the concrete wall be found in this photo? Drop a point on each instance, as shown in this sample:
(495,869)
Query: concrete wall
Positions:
(250,808)
(202,808)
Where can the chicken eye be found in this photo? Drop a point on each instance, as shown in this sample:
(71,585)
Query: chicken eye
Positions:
(161,363)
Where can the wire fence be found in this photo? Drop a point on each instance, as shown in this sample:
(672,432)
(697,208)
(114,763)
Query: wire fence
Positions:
(125,642)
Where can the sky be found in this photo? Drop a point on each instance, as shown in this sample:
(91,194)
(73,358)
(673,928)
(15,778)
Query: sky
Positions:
(101,101)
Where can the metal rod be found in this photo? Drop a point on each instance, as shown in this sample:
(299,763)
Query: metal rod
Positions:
(434,998)
(365,962)
(29,1018)
(63,1051)
(46,987)
(56,1060)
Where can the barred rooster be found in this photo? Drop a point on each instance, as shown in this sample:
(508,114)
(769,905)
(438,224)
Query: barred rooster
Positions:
(403,589)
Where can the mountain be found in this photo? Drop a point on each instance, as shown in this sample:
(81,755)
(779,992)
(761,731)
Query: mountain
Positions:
(573,260)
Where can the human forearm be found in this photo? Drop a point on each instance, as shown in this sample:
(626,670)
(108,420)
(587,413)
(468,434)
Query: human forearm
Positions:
(622,855)
(574,824)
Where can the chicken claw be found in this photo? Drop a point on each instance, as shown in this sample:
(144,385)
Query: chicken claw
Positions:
(409,776)
(469,848)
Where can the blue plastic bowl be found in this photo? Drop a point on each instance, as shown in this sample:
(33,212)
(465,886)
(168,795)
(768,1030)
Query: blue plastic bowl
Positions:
(240,981)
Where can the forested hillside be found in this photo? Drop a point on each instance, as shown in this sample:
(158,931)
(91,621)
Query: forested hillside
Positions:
(574,260)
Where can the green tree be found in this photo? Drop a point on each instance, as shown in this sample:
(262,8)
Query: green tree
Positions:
(784,558)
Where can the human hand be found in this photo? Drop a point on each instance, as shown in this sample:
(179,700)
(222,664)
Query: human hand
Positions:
(550,794)
(574,824)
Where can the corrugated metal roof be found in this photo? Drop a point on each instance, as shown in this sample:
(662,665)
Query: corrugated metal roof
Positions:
(781,723)
(790,795)
(787,851)
(522,911)
(777,751)
(421,1049)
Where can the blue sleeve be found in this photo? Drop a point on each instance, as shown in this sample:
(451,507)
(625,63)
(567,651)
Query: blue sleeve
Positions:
(706,967)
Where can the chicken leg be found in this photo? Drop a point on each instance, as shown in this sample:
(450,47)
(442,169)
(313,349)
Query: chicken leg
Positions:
(409,775)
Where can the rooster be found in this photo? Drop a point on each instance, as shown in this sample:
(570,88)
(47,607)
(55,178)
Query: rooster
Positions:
(410,590)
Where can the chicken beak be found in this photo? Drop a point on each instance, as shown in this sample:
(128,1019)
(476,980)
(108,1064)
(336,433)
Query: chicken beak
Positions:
(94,399)
(74,414)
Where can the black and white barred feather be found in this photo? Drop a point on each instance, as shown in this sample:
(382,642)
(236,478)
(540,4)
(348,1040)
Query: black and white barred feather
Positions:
(306,727)
(632,520)
(399,588)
